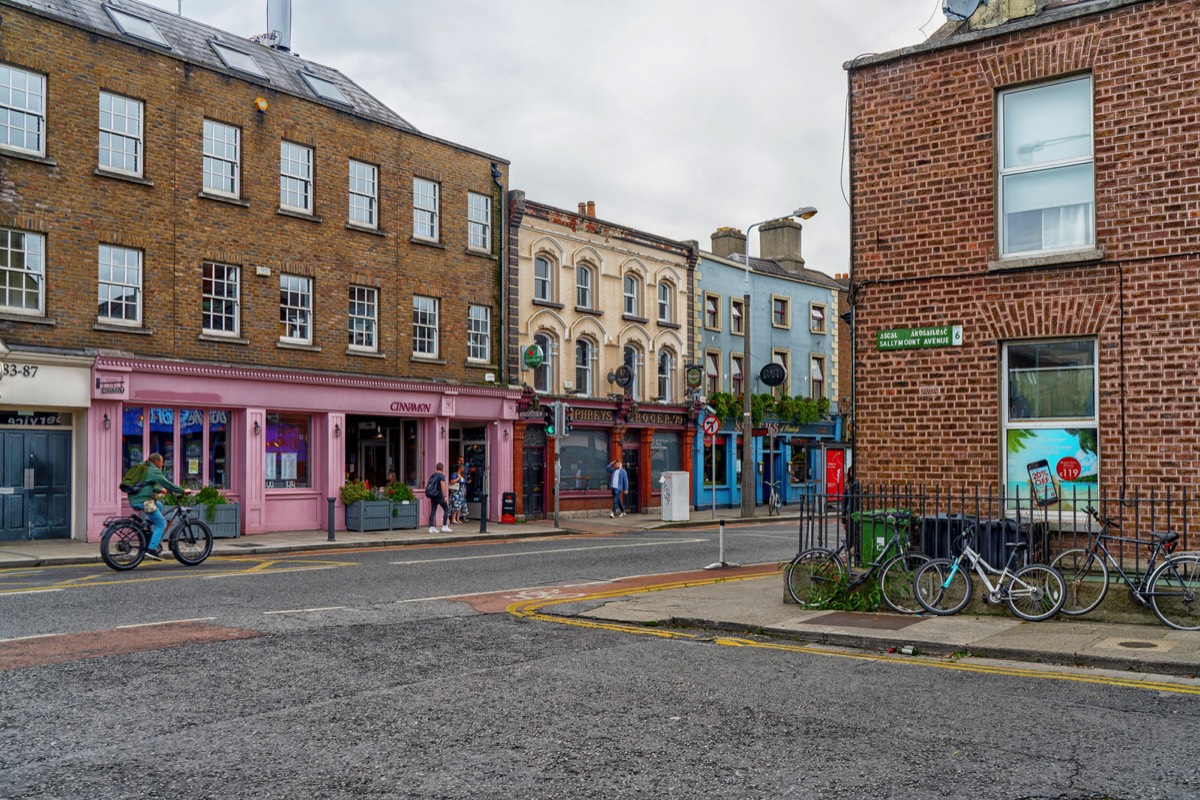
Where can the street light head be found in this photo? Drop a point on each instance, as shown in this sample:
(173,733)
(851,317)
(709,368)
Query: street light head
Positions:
(807,212)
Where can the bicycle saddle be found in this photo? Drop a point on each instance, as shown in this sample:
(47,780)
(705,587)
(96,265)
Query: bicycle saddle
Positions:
(1166,537)
(1017,546)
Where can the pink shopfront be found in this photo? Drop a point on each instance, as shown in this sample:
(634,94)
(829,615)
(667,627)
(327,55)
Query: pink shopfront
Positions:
(280,443)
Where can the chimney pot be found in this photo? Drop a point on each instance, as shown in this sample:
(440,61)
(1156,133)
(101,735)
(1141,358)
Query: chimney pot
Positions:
(583,209)
(591,208)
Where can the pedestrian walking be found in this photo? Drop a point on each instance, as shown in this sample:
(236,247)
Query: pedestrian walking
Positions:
(618,482)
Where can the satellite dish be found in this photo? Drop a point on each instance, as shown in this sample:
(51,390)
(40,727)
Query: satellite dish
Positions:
(961,9)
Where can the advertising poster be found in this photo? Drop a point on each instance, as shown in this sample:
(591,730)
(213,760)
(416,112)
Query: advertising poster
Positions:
(1055,466)
(835,475)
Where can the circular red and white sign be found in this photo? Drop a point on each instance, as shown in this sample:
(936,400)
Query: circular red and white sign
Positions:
(710,425)
(1068,468)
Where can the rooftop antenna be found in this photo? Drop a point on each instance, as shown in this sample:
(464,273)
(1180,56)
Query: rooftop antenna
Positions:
(961,9)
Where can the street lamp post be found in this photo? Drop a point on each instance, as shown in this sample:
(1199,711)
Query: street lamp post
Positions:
(748,502)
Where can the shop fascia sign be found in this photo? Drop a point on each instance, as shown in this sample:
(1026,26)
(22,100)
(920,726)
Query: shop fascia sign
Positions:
(920,338)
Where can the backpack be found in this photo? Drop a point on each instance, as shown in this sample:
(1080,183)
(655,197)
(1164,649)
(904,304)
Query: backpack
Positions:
(134,478)
(433,487)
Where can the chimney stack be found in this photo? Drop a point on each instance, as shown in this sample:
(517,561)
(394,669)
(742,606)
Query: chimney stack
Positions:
(727,242)
(779,241)
(279,20)
(583,209)
(591,208)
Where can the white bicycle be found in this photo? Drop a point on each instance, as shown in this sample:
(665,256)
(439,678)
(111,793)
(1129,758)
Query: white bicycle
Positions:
(774,501)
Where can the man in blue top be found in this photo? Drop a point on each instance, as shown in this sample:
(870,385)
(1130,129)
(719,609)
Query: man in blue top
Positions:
(618,481)
(152,484)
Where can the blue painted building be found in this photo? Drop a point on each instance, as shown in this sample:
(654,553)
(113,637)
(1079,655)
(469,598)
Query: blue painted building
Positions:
(793,322)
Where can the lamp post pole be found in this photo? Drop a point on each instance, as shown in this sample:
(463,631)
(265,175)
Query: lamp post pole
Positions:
(748,483)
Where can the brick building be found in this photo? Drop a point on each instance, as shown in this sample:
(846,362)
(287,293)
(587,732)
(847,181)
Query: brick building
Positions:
(215,249)
(602,304)
(1026,248)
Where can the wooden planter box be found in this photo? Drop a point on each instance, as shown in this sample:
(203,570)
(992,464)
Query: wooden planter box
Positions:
(404,515)
(224,521)
(369,515)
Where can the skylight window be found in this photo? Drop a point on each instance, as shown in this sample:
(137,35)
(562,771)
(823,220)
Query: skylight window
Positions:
(137,27)
(325,89)
(236,59)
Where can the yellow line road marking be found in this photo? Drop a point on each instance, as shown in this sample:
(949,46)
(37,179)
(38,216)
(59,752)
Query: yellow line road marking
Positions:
(531,609)
(271,566)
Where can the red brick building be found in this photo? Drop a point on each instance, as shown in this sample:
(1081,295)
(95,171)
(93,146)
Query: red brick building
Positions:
(1026,248)
(218,250)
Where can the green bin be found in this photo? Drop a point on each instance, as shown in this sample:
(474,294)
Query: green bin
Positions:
(876,527)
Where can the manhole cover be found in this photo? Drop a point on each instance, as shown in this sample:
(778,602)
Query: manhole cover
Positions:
(1138,645)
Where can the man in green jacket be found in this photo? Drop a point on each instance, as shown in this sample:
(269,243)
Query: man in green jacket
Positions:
(153,484)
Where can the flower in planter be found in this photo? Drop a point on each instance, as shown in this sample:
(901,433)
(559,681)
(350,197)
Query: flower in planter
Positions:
(209,496)
(399,492)
(353,491)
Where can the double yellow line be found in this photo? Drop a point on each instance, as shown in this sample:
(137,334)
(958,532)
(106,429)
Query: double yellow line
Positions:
(532,610)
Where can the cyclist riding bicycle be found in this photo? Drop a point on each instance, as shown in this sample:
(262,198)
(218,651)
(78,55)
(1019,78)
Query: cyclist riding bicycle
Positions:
(145,499)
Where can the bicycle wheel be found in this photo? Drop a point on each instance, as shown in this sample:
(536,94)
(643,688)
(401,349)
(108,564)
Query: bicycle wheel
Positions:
(1036,593)
(1086,577)
(192,543)
(814,576)
(943,586)
(1175,592)
(122,546)
(773,504)
(896,582)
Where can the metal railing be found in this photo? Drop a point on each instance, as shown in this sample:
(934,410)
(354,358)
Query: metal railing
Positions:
(934,517)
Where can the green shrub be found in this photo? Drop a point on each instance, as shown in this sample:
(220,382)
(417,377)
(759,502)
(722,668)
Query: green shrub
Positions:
(353,491)
(399,492)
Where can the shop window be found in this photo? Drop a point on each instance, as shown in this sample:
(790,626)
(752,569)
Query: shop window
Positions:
(585,460)
(715,463)
(287,451)
(202,437)
(664,455)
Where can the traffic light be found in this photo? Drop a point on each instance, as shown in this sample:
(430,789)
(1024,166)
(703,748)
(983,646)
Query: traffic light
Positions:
(568,419)
(550,416)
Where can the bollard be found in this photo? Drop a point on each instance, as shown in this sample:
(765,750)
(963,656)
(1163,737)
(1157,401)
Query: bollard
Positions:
(332,518)
(483,513)
(721,563)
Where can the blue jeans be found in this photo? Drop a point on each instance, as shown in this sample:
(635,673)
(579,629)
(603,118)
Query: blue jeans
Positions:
(158,525)
(617,504)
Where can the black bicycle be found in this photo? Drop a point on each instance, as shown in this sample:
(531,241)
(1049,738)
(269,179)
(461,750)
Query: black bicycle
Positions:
(1170,587)
(125,540)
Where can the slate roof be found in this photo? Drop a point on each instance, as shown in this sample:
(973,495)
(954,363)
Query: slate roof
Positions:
(809,276)
(189,42)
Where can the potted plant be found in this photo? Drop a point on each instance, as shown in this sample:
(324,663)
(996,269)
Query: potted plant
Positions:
(366,508)
(404,505)
(215,509)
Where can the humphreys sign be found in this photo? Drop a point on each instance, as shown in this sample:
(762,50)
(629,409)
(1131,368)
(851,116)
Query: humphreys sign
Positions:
(582,414)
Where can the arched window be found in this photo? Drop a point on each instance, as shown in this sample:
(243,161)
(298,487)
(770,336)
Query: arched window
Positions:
(666,305)
(633,298)
(543,279)
(635,361)
(666,365)
(543,376)
(583,367)
(583,287)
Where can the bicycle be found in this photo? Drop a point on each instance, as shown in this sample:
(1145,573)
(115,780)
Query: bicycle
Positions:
(815,574)
(125,540)
(773,500)
(1033,592)
(1171,589)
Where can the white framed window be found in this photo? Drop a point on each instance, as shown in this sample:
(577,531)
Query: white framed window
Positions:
(479,334)
(781,312)
(295,177)
(221,291)
(543,376)
(735,374)
(119,285)
(584,281)
(222,158)
(584,356)
(712,372)
(1047,181)
(632,295)
(364,194)
(1049,405)
(816,377)
(736,314)
(295,308)
(425,209)
(635,360)
(237,60)
(666,369)
(543,279)
(364,318)
(666,302)
(712,312)
(781,357)
(425,326)
(479,222)
(22,272)
(120,134)
(817,318)
(22,110)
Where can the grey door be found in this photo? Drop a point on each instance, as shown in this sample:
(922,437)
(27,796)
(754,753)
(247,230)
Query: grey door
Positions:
(44,511)
(533,477)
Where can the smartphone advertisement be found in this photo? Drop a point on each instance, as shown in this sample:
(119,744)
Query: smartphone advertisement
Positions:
(1053,466)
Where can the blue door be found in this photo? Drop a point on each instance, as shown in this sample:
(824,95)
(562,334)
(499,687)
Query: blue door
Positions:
(43,511)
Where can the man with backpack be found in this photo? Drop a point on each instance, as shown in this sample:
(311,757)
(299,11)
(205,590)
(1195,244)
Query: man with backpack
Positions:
(144,498)
(435,490)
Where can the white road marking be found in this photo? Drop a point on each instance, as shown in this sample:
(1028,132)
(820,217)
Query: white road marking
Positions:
(28,591)
(306,610)
(166,622)
(556,550)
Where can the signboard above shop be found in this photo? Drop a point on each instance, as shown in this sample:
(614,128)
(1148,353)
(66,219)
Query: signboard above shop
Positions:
(920,338)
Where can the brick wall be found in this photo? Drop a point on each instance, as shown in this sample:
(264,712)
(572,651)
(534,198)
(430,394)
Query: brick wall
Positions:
(924,236)
(178,229)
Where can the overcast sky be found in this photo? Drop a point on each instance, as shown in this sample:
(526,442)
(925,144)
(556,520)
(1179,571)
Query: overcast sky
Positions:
(676,117)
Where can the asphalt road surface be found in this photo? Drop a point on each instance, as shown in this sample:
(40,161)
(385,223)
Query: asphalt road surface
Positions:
(399,673)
